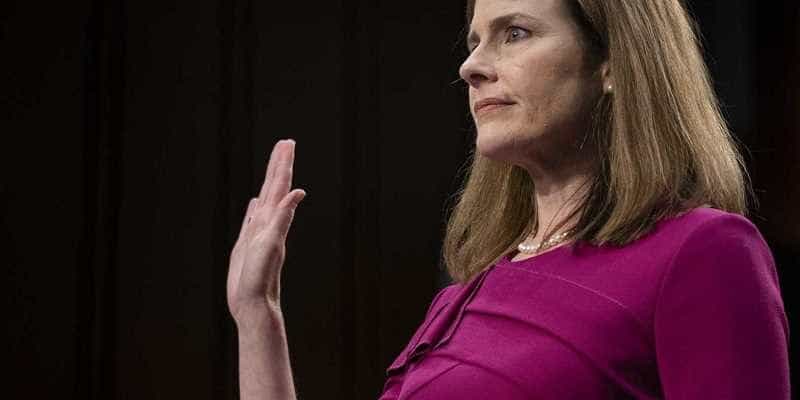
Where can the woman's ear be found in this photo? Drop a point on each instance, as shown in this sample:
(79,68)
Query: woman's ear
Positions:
(605,78)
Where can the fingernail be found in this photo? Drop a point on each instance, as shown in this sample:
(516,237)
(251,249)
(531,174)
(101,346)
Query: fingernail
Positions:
(300,199)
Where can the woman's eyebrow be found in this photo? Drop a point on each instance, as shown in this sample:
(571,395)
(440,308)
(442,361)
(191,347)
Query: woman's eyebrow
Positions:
(497,23)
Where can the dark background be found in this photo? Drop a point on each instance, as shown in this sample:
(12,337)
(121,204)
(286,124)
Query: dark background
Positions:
(134,132)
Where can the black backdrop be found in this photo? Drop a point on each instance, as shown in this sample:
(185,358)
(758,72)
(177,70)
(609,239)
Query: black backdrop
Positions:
(135,132)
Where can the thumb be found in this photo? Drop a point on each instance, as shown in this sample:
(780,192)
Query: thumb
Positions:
(287,207)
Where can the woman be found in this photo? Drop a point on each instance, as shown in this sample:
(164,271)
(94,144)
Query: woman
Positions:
(598,247)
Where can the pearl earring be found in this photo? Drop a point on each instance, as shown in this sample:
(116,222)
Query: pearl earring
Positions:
(609,88)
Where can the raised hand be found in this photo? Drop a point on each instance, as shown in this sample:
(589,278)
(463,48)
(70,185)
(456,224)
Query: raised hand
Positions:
(254,273)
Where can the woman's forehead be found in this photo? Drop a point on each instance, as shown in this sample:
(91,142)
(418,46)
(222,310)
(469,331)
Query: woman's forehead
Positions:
(488,8)
(491,14)
(487,11)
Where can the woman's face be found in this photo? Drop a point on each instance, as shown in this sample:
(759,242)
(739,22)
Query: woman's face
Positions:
(528,56)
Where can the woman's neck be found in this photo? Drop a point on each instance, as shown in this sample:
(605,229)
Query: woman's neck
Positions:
(557,193)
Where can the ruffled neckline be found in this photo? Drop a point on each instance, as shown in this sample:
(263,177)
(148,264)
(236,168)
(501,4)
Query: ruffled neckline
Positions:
(442,322)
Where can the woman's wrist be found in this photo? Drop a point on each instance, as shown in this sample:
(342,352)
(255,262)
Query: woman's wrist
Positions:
(264,368)
(259,318)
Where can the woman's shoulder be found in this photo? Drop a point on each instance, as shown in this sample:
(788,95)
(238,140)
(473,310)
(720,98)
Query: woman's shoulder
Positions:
(713,235)
(703,229)
(707,222)
(701,215)
(720,290)
(710,223)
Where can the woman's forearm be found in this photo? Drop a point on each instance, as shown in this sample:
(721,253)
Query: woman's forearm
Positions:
(264,369)
(253,283)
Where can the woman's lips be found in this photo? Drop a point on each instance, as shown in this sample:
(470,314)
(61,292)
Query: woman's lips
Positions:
(490,108)
(490,104)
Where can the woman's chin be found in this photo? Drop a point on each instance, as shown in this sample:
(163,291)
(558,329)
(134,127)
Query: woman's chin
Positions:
(494,146)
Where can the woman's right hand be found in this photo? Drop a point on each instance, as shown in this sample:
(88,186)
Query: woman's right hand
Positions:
(254,273)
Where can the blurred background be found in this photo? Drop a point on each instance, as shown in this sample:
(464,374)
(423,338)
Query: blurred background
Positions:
(134,132)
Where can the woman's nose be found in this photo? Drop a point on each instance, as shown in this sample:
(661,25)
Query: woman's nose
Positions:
(476,70)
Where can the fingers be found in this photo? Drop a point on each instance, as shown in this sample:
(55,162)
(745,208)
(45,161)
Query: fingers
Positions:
(275,190)
(281,179)
(262,195)
(277,182)
(287,207)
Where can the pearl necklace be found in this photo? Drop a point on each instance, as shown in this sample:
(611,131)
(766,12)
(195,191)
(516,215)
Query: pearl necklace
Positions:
(535,248)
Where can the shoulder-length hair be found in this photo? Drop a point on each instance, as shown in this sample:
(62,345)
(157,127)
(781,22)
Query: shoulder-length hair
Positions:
(662,142)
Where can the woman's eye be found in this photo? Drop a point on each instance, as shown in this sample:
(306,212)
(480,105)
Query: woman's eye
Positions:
(514,32)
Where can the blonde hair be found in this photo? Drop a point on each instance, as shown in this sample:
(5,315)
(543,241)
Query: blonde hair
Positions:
(664,146)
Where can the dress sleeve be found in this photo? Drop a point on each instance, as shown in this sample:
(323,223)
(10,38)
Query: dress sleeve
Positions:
(396,376)
(721,330)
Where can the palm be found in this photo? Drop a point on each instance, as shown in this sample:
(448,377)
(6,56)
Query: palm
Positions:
(258,255)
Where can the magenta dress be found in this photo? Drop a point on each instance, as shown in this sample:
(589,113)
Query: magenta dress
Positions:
(691,311)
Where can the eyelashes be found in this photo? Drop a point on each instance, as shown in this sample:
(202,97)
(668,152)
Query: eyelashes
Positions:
(512,34)
(512,30)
